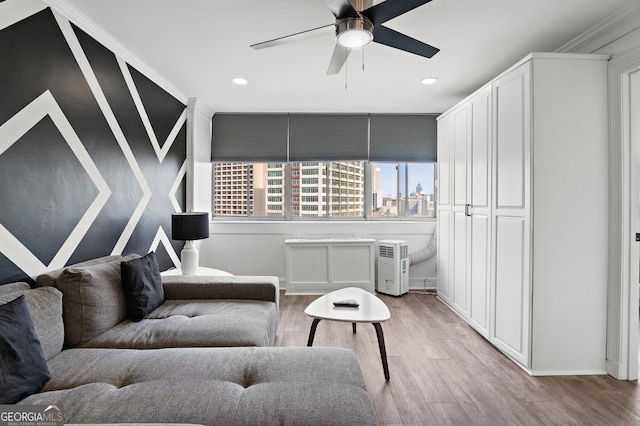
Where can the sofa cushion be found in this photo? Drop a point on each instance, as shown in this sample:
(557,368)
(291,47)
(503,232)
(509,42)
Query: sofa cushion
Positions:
(187,323)
(230,386)
(224,287)
(45,309)
(93,300)
(11,287)
(23,368)
(142,285)
(49,278)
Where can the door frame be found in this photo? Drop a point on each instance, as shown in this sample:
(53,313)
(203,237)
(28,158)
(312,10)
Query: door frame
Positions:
(624,251)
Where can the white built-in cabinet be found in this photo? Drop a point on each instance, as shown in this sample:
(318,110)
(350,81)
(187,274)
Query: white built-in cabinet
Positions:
(465,154)
(522,225)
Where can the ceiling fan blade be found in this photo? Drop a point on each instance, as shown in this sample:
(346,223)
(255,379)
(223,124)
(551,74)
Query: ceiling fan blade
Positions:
(339,57)
(341,9)
(392,38)
(325,29)
(383,12)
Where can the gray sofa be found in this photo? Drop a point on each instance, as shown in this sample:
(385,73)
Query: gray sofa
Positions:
(198,311)
(146,373)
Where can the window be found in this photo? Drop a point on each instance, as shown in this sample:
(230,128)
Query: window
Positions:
(281,190)
(233,189)
(242,189)
(325,190)
(403,190)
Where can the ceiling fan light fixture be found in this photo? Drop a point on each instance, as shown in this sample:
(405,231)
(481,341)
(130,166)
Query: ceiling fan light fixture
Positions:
(354,33)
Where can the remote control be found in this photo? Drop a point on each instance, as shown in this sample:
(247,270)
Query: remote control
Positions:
(349,303)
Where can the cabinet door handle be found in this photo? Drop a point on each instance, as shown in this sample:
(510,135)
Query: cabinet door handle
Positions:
(467,209)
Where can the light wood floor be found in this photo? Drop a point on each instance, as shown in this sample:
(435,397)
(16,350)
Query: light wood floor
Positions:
(443,372)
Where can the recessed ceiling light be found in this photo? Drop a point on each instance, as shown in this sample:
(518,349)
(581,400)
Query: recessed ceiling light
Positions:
(429,80)
(240,81)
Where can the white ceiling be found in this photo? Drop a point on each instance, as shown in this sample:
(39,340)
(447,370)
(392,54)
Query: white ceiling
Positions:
(199,45)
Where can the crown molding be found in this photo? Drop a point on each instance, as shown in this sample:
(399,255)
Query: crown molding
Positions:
(87,25)
(607,31)
(201,108)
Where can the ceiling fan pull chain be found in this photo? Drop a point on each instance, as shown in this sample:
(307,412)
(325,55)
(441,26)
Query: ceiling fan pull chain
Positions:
(363,59)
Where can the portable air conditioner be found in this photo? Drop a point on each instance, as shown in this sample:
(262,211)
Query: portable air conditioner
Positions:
(393,267)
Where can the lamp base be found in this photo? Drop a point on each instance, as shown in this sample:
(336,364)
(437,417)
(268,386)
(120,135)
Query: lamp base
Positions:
(189,259)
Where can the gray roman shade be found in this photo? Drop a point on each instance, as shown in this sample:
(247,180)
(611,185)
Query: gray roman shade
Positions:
(324,137)
(249,137)
(327,137)
(402,137)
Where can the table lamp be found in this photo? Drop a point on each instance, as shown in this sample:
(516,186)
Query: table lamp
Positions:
(189,226)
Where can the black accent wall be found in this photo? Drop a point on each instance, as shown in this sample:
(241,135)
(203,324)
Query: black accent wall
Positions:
(80,176)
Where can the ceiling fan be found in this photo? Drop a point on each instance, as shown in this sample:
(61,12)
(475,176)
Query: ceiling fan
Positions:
(355,29)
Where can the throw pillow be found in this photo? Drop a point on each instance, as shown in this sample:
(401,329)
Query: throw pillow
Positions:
(142,286)
(93,301)
(45,309)
(23,369)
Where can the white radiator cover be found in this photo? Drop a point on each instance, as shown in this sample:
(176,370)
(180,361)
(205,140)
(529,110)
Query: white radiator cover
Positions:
(319,266)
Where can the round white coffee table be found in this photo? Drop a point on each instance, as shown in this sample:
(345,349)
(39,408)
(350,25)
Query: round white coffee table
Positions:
(371,310)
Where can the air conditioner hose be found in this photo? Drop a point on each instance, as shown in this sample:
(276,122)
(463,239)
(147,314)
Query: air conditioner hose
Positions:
(426,253)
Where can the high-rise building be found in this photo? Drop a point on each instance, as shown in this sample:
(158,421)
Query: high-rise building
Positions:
(376,193)
(318,189)
(274,189)
(239,189)
(232,187)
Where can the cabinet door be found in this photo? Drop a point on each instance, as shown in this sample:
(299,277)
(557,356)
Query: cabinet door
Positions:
(444,255)
(445,141)
(466,132)
(480,210)
(511,204)
(459,210)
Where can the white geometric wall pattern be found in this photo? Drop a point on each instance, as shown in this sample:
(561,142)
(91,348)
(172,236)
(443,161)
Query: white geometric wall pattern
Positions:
(82,170)
(161,151)
(173,193)
(10,132)
(98,93)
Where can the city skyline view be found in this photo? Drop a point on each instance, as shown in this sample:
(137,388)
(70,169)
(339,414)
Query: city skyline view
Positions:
(422,174)
(323,189)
